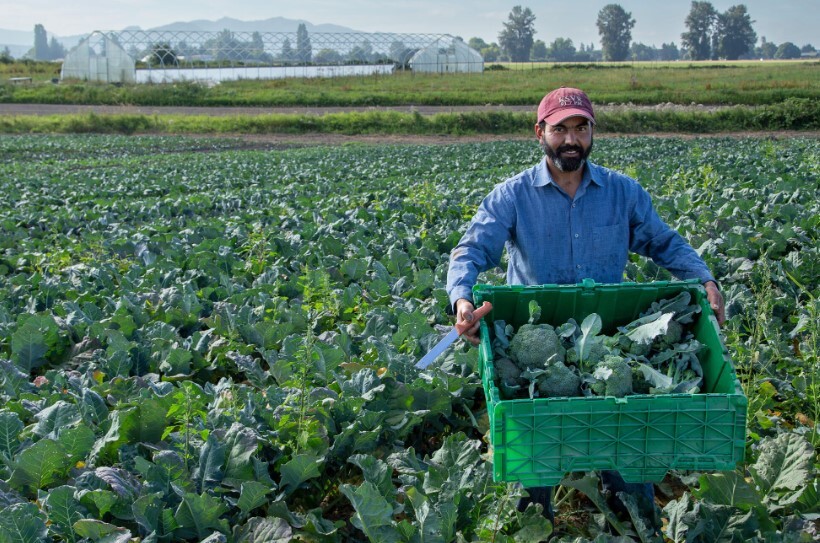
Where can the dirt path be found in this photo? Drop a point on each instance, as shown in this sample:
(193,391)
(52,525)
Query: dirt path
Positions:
(63,109)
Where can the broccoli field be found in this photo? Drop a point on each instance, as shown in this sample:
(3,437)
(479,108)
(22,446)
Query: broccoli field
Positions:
(205,342)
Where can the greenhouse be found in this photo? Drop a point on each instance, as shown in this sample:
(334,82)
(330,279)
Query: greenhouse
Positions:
(165,56)
(99,57)
(447,55)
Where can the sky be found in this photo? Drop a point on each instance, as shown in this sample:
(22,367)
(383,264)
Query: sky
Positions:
(657,21)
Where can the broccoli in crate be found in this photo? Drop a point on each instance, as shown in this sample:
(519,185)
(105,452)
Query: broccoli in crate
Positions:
(654,354)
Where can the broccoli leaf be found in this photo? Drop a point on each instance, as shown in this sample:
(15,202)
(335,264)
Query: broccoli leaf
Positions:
(675,305)
(642,515)
(590,327)
(784,464)
(647,332)
(535,312)
(729,488)
(589,486)
(567,330)
(502,340)
(655,378)
(22,523)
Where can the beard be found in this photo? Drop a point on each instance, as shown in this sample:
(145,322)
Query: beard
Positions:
(566,164)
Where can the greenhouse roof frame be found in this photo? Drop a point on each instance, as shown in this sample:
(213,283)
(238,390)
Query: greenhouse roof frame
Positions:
(187,48)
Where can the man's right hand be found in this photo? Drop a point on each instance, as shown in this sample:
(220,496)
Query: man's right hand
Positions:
(464,313)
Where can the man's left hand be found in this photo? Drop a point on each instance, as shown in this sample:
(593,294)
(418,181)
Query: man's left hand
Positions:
(716,301)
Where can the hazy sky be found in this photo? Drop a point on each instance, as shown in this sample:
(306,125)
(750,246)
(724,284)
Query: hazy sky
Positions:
(657,21)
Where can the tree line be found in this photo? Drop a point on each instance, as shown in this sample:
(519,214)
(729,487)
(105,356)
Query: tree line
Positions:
(709,35)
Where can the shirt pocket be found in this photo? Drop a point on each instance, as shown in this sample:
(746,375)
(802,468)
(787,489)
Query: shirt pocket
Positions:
(611,240)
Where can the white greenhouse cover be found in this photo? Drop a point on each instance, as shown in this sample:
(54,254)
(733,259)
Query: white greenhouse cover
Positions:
(99,58)
(443,57)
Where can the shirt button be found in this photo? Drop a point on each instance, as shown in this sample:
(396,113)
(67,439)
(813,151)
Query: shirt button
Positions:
(576,235)
(573,205)
(578,266)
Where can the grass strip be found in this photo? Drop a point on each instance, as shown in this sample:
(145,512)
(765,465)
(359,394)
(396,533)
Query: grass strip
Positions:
(710,83)
(792,114)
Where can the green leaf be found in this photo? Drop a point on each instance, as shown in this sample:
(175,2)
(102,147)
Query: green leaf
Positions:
(97,530)
(534,527)
(142,423)
(34,340)
(376,472)
(298,470)
(428,522)
(411,325)
(641,514)
(677,512)
(56,417)
(722,524)
(40,465)
(590,327)
(147,510)
(354,269)
(809,500)
(263,530)
(63,511)
(783,463)
(77,442)
(588,484)
(647,332)
(198,515)
(215,537)
(252,495)
(22,523)
(177,362)
(727,488)
(98,501)
(534,309)
(241,444)
(10,428)
(211,459)
(374,515)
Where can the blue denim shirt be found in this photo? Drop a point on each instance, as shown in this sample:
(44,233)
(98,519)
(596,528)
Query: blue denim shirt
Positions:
(554,239)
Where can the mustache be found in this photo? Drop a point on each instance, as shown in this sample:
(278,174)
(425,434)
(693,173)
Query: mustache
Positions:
(566,148)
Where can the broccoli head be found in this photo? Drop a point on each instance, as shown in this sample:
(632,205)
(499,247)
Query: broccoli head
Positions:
(673,335)
(613,377)
(559,381)
(509,375)
(597,351)
(628,346)
(536,345)
(639,383)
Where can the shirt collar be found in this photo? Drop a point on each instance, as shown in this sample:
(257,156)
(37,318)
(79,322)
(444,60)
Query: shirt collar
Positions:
(591,174)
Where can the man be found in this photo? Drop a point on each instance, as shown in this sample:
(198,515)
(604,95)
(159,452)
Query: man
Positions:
(564,220)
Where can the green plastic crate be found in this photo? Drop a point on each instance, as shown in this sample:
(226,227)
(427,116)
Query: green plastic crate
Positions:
(537,442)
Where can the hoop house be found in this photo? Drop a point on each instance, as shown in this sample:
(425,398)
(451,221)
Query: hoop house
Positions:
(447,55)
(99,58)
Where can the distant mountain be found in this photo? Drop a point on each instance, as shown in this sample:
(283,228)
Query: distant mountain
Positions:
(274,24)
(17,37)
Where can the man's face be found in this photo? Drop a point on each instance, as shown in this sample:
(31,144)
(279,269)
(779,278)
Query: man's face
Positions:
(568,144)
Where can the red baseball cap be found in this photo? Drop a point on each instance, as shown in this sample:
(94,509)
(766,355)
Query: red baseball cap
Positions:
(563,103)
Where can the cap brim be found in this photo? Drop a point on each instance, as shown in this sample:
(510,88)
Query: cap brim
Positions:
(564,114)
